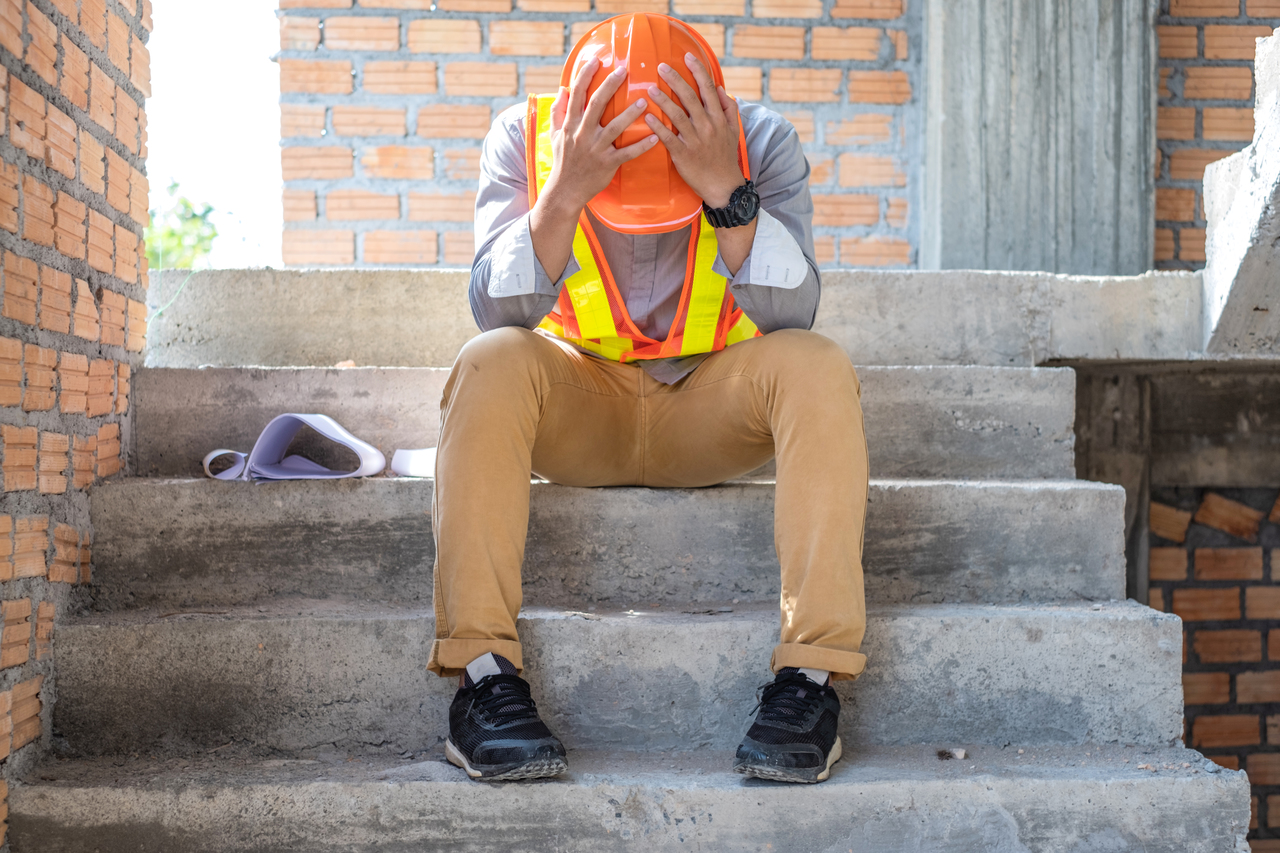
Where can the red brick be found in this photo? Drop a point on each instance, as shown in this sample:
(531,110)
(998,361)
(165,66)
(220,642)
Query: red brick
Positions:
(444,35)
(135,339)
(20,289)
(1164,244)
(399,78)
(85,322)
(1222,564)
(318,248)
(1203,605)
(38,365)
(362,33)
(117,182)
(459,248)
(865,170)
(461,164)
(19,476)
(51,473)
(1232,42)
(436,207)
(1225,730)
(732,8)
(115,309)
(329,77)
(93,20)
(1155,599)
(343,205)
(73,382)
(870,9)
(1168,564)
(55,300)
(92,163)
(1264,768)
(299,33)
(489,79)
(485,6)
(301,120)
(15,648)
(874,252)
(1229,516)
(744,81)
(393,161)
(453,121)
(1162,88)
(879,87)
(42,48)
(1188,164)
(101,247)
(768,42)
(10,396)
(1234,84)
(126,255)
(541,79)
(1204,8)
(896,215)
(860,130)
(60,152)
(1169,522)
(805,84)
(1228,124)
(1175,204)
(27,110)
(1230,762)
(1178,123)
(528,38)
(1257,688)
(108,448)
(781,8)
(1229,646)
(75,74)
(11,27)
(299,205)
(102,98)
(44,630)
(9,182)
(321,162)
(37,209)
(844,210)
(1262,602)
(400,247)
(858,43)
(1206,688)
(1263,8)
(368,121)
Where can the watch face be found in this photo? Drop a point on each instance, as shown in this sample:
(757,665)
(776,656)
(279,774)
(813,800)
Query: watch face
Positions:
(744,205)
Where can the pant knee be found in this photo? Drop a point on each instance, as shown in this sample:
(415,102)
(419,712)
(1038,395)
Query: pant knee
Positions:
(805,354)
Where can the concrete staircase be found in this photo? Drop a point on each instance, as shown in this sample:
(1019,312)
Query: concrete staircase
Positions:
(251,674)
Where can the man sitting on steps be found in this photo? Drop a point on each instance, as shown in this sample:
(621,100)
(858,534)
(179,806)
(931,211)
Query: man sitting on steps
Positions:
(646,283)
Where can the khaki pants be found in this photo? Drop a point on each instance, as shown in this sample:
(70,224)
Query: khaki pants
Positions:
(518,402)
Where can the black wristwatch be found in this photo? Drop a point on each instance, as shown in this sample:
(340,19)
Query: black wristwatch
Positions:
(743,206)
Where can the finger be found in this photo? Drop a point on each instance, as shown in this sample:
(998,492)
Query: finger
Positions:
(729,105)
(673,112)
(706,88)
(688,98)
(599,100)
(622,121)
(664,133)
(634,150)
(558,108)
(578,91)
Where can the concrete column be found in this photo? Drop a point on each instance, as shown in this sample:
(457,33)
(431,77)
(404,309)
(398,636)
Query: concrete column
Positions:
(1040,138)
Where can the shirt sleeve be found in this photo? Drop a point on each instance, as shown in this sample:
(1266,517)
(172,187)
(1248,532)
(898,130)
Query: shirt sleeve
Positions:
(778,285)
(508,286)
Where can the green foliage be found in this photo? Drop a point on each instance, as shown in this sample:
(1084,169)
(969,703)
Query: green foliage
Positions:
(180,236)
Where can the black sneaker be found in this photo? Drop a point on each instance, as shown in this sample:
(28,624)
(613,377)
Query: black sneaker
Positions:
(495,733)
(794,736)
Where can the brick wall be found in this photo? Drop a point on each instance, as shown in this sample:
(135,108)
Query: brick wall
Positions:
(384,104)
(73,201)
(1215,561)
(1205,110)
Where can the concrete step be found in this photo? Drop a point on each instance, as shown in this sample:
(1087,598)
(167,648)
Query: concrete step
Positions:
(204,543)
(420,318)
(305,676)
(921,421)
(885,800)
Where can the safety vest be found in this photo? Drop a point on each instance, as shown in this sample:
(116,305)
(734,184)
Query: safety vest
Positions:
(591,312)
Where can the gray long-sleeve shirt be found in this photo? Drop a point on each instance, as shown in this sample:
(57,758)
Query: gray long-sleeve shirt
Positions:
(777,286)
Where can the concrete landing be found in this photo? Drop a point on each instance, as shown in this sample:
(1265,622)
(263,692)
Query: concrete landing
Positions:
(306,676)
(883,800)
(206,543)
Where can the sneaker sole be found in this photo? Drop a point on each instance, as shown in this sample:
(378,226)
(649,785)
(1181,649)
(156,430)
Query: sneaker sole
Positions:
(784,774)
(541,768)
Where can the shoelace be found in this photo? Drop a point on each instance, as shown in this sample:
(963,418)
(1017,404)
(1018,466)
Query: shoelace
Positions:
(787,698)
(503,699)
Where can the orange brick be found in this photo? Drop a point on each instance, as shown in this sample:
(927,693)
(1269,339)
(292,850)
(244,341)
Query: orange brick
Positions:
(781,8)
(362,33)
(444,35)
(822,168)
(858,43)
(744,81)
(54,460)
(341,205)
(42,47)
(1235,84)
(484,6)
(1204,605)
(73,380)
(38,365)
(453,121)
(44,630)
(843,210)
(1256,688)
(326,163)
(1204,8)
(1232,42)
(86,322)
(805,84)
(92,163)
(101,242)
(1168,564)
(299,205)
(1228,646)
(60,152)
(734,8)
(15,645)
(556,5)
(1179,123)
(1221,564)
(11,27)
(393,161)
(399,78)
(134,342)
(1169,522)
(714,34)
(114,307)
(1263,8)
(400,247)
(117,182)
(901,43)
(1164,244)
(301,120)
(37,207)
(489,79)
(864,170)
(93,20)
(368,121)
(108,449)
(874,252)
(127,245)
(1188,164)
(824,249)
(1225,730)
(802,121)
(1228,124)
(860,130)
(1175,204)
(1162,89)
(1230,762)
(896,215)
(327,77)
(315,4)
(529,38)
(19,469)
(1274,517)
(318,248)
(299,33)
(1155,599)
(579,29)
(20,289)
(1229,516)
(870,9)
(1264,768)
(618,7)
(118,42)
(435,207)
(75,74)
(462,164)
(768,42)
(879,87)
(459,247)
(10,389)
(83,451)
(55,300)
(541,79)
(27,111)
(102,98)
(140,67)
(26,712)
(1206,688)
(1262,602)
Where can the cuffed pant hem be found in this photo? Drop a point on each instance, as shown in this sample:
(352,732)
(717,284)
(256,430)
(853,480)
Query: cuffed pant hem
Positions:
(843,666)
(450,657)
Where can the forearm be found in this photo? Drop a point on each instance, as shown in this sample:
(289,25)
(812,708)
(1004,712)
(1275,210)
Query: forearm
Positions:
(526,308)
(552,224)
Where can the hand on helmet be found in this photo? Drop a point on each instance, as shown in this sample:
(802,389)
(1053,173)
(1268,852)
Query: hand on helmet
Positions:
(585,156)
(704,145)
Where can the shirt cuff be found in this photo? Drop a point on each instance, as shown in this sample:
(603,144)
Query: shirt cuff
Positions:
(775,260)
(515,269)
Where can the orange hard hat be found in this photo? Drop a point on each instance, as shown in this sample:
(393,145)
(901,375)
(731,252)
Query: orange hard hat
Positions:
(647,195)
